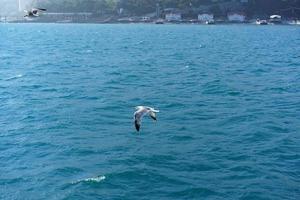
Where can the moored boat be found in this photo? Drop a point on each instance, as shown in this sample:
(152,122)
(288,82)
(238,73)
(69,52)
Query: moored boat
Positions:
(261,22)
(275,19)
(159,21)
(210,22)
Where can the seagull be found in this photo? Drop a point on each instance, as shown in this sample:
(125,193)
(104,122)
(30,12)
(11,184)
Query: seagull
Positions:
(139,114)
(34,12)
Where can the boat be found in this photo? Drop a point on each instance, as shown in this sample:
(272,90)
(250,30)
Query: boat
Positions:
(210,22)
(193,21)
(293,22)
(261,22)
(159,21)
(275,19)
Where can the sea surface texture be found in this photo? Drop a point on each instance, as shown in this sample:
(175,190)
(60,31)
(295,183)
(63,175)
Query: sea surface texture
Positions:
(229,126)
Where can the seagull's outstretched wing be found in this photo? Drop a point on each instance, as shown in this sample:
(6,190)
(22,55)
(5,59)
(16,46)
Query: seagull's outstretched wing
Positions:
(137,125)
(138,115)
(138,119)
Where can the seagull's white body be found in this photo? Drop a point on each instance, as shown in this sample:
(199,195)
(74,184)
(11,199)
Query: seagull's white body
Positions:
(141,111)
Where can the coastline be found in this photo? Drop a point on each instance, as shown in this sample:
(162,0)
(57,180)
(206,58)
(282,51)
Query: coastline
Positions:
(137,20)
(153,23)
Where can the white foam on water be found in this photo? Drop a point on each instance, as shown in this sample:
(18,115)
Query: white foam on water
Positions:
(97,179)
(14,77)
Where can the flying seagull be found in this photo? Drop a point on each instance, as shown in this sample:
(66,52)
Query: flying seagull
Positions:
(34,12)
(139,114)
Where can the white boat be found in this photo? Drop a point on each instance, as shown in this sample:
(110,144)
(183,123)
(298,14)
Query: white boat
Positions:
(275,19)
(261,22)
(210,22)
(159,21)
(293,22)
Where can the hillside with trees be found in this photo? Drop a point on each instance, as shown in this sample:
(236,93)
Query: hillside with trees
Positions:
(289,8)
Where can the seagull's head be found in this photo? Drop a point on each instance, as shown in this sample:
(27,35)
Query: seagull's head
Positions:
(153,110)
(138,107)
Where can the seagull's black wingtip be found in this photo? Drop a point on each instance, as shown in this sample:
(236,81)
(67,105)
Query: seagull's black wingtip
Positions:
(42,9)
(137,126)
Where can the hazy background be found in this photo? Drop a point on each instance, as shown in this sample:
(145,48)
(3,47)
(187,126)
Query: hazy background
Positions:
(189,8)
(11,7)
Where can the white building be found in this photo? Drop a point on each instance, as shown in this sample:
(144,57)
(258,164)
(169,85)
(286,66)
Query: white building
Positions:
(145,19)
(205,17)
(236,17)
(173,17)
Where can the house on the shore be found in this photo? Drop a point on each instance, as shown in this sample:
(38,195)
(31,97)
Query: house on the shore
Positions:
(206,17)
(172,14)
(79,16)
(146,19)
(3,19)
(236,17)
(173,17)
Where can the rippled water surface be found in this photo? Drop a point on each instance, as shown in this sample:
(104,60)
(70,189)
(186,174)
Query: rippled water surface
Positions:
(229,126)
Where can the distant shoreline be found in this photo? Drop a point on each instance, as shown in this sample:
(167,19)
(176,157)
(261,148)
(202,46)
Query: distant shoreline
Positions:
(150,23)
(205,19)
(112,20)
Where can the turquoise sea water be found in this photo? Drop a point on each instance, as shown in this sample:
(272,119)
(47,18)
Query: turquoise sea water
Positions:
(229,126)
